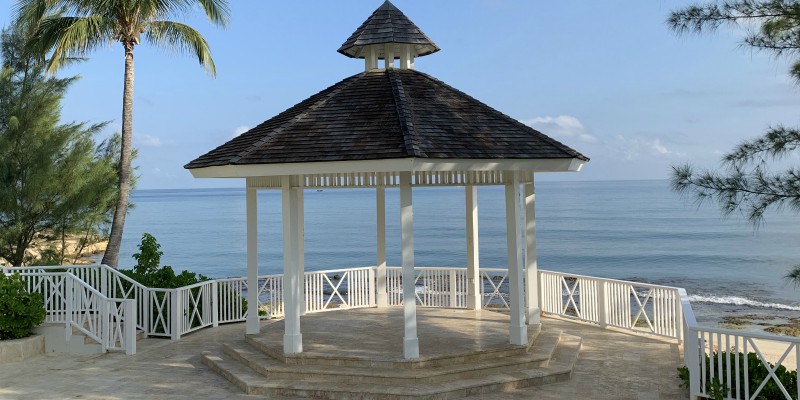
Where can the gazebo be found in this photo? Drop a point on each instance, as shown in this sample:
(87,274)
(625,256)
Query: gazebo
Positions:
(392,126)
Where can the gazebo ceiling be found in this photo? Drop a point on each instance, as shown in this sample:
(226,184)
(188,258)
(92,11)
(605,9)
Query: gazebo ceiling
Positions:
(387,25)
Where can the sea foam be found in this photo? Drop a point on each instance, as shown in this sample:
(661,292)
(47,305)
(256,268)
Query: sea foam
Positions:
(741,301)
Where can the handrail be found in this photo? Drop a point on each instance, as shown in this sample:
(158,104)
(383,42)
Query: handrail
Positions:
(87,309)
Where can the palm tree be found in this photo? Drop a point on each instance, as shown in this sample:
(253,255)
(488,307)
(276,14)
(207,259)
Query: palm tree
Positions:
(73,28)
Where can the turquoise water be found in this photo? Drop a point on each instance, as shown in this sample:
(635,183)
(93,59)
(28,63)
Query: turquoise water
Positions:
(636,230)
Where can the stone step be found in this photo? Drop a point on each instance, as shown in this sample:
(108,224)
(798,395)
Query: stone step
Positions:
(275,350)
(544,346)
(321,386)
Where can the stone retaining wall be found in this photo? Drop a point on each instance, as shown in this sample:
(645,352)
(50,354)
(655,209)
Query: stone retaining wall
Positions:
(21,349)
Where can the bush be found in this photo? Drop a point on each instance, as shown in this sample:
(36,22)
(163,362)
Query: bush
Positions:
(720,388)
(147,270)
(148,273)
(20,311)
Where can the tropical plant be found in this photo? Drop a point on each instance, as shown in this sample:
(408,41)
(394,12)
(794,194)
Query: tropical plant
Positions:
(725,385)
(52,176)
(74,28)
(20,311)
(746,183)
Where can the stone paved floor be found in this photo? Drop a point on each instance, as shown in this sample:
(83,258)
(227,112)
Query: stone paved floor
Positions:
(611,365)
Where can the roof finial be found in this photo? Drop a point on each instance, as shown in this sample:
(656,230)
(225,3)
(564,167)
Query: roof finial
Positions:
(388,35)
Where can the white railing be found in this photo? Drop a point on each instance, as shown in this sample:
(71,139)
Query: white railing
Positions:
(108,281)
(339,289)
(97,300)
(724,361)
(632,306)
(70,300)
(435,287)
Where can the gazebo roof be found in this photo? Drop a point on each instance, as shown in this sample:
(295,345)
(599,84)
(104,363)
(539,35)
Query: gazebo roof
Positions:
(387,25)
(386,114)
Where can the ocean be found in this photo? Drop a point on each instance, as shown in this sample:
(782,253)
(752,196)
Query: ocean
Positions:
(632,230)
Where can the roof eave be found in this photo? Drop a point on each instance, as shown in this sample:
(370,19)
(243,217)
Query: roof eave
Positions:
(391,165)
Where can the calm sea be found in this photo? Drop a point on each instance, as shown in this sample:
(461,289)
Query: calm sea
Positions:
(636,230)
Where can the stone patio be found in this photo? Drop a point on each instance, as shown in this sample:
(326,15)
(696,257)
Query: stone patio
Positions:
(611,365)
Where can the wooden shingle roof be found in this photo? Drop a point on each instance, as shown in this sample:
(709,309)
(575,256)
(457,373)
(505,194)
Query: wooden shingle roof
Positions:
(387,25)
(386,114)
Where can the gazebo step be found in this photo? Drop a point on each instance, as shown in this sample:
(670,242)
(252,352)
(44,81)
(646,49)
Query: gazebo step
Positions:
(544,347)
(275,350)
(331,387)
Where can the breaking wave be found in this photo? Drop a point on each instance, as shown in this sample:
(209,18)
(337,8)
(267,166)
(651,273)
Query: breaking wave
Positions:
(741,301)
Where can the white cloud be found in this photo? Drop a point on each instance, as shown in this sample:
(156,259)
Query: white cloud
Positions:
(240,130)
(146,140)
(638,146)
(564,126)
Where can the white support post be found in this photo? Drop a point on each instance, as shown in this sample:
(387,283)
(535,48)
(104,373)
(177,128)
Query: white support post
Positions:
(105,324)
(518,331)
(215,303)
(531,268)
(602,303)
(371,59)
(301,263)
(129,307)
(176,316)
(253,323)
(292,338)
(410,340)
(388,55)
(381,294)
(405,55)
(70,300)
(474,301)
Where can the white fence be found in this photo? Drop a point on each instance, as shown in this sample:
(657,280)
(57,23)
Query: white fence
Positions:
(98,301)
(607,302)
(70,300)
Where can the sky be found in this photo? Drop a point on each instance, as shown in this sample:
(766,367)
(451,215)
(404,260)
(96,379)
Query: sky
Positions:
(609,79)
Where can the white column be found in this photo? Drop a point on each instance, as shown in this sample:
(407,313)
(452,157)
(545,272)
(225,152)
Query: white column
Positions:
(301,262)
(292,338)
(410,340)
(388,55)
(381,295)
(371,59)
(531,269)
(518,332)
(253,324)
(474,282)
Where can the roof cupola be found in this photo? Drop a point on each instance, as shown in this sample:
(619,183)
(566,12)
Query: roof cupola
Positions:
(388,35)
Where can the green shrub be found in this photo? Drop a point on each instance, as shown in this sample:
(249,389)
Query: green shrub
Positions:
(720,388)
(147,270)
(20,311)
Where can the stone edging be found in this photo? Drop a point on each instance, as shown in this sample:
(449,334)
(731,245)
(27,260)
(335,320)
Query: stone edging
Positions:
(21,349)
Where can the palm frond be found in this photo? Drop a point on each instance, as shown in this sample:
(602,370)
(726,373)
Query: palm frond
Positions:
(70,37)
(182,38)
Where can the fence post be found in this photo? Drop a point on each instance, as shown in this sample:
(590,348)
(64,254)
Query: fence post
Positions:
(215,304)
(372,282)
(453,292)
(104,282)
(176,314)
(145,302)
(129,308)
(602,304)
(105,323)
(70,300)
(691,357)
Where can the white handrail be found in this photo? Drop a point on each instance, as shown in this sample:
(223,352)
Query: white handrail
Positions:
(74,302)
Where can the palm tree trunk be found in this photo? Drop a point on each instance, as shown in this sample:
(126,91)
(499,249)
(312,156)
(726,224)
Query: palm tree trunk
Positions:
(111,255)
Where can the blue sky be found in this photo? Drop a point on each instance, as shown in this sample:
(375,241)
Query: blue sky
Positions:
(607,78)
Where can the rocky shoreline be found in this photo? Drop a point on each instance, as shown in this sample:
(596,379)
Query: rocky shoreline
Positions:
(73,253)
